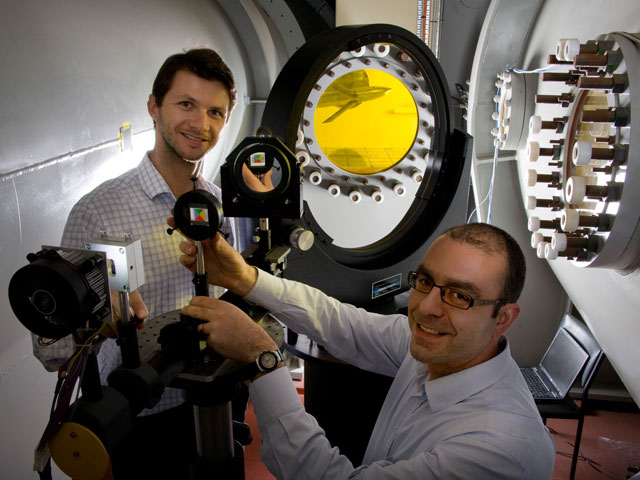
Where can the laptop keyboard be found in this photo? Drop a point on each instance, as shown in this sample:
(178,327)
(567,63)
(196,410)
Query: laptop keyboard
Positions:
(537,387)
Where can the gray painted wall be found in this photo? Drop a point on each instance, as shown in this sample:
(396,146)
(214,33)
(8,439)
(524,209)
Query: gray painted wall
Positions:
(73,72)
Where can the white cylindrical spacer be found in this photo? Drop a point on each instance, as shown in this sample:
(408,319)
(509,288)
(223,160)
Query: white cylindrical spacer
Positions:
(377,195)
(534,224)
(299,138)
(531,202)
(358,52)
(303,157)
(333,190)
(536,238)
(575,190)
(582,151)
(571,49)
(535,124)
(560,49)
(381,49)
(315,177)
(398,189)
(549,252)
(495,116)
(559,241)
(355,196)
(533,151)
(532,178)
(540,249)
(570,220)
(416,175)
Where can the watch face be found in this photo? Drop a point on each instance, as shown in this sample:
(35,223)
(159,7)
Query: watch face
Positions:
(268,360)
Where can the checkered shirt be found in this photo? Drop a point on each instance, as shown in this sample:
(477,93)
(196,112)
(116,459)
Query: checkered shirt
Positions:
(139,202)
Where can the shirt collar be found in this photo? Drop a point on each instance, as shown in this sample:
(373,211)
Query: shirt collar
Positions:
(154,184)
(446,391)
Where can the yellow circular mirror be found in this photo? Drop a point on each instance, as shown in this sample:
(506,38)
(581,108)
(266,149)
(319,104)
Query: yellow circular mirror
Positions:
(366,121)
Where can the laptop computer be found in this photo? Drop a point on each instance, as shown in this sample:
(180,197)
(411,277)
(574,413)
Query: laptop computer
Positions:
(558,369)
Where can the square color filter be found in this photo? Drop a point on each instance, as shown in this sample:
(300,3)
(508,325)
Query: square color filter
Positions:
(199,215)
(258,159)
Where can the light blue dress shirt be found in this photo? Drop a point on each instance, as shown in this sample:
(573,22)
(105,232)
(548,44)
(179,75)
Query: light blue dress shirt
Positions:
(138,202)
(480,423)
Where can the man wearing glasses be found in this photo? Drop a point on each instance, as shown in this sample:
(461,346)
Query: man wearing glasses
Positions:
(458,406)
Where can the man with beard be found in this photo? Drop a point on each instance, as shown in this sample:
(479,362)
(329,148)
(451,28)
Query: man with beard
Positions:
(458,406)
(191,101)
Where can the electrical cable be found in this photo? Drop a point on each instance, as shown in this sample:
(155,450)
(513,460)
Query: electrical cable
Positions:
(68,376)
(489,195)
(549,68)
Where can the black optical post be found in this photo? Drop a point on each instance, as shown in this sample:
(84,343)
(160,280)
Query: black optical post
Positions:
(198,215)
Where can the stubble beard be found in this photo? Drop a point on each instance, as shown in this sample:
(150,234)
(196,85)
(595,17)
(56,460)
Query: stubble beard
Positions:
(170,141)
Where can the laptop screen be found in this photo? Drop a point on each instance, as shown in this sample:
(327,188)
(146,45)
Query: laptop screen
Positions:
(563,361)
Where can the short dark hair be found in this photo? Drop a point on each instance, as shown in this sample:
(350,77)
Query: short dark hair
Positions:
(492,239)
(203,62)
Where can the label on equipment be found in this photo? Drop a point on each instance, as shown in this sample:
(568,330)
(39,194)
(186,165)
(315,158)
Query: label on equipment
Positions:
(386,285)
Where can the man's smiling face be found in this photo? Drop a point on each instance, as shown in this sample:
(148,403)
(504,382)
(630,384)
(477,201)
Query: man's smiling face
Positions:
(449,339)
(193,112)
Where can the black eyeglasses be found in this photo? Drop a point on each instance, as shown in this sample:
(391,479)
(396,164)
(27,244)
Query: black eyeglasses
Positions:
(424,284)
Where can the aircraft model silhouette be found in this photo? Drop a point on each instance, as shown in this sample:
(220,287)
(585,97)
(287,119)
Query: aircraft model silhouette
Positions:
(348,92)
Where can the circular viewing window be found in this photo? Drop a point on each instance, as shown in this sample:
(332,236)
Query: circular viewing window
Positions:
(366,111)
(366,121)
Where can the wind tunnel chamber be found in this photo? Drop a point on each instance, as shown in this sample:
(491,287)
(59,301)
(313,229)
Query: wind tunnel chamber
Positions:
(366,111)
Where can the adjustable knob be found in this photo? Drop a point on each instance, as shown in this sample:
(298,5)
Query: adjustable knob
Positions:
(537,237)
(398,189)
(571,220)
(536,124)
(355,196)
(617,83)
(534,151)
(533,177)
(618,117)
(554,203)
(303,158)
(377,196)
(584,153)
(416,175)
(535,224)
(562,241)
(577,189)
(540,249)
(333,190)
(564,99)
(315,177)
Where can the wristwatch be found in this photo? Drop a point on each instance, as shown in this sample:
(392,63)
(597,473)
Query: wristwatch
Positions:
(268,360)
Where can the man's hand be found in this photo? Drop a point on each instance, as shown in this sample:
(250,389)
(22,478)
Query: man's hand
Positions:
(263,184)
(137,307)
(229,330)
(224,265)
